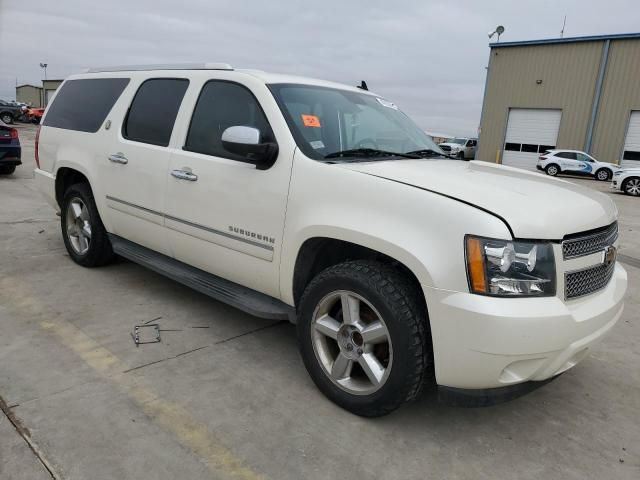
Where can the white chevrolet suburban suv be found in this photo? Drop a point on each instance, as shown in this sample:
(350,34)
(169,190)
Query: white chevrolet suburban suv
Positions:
(300,199)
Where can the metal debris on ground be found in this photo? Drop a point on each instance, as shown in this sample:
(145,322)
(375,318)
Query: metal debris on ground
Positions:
(146,333)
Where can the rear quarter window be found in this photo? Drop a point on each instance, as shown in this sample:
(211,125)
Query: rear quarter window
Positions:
(83,105)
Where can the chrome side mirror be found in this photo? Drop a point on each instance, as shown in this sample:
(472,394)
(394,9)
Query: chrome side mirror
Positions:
(245,141)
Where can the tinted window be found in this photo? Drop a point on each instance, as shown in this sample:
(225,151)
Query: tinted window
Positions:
(153,111)
(512,147)
(83,105)
(631,155)
(222,105)
(569,155)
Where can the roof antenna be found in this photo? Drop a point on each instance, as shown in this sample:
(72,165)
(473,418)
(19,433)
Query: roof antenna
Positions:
(363,85)
(564,22)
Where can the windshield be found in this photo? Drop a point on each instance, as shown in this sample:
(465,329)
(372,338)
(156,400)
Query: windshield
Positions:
(326,121)
(459,141)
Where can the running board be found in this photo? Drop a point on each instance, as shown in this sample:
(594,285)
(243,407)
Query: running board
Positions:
(243,298)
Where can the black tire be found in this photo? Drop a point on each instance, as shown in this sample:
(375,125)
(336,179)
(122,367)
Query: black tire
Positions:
(604,174)
(461,155)
(6,118)
(627,186)
(396,299)
(552,169)
(100,251)
(7,169)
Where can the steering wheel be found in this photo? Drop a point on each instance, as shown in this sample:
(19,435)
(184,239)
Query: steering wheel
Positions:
(367,143)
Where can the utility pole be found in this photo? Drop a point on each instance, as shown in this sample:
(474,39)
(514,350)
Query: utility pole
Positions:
(44,66)
(564,22)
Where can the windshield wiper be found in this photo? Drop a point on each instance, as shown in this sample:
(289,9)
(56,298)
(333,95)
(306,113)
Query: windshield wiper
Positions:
(427,152)
(368,152)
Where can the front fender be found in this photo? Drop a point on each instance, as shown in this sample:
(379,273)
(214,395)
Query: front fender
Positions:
(423,230)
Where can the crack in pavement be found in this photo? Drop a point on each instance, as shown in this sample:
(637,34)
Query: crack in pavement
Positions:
(628,260)
(25,434)
(26,220)
(271,325)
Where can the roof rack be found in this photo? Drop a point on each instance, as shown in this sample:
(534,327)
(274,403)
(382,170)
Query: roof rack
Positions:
(160,66)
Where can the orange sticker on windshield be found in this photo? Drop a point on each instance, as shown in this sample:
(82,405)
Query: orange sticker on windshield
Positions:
(311,121)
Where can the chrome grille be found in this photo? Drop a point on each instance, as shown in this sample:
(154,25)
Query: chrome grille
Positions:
(589,280)
(445,148)
(587,244)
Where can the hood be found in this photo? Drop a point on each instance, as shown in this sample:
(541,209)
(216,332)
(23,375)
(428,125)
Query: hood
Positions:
(450,144)
(613,166)
(534,206)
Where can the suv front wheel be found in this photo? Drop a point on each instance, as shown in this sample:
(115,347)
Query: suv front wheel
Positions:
(82,230)
(362,333)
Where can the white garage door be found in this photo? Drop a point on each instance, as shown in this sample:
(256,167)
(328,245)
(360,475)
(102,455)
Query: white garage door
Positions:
(631,157)
(530,131)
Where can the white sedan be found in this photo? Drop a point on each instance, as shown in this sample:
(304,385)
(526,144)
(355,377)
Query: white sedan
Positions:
(627,181)
(575,162)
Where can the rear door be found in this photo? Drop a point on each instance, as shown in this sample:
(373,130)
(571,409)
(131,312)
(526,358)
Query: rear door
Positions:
(568,161)
(134,170)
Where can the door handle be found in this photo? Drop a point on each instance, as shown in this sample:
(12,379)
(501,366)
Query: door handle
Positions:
(184,175)
(118,158)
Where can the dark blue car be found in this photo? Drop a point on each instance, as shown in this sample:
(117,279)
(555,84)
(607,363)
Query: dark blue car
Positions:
(10,150)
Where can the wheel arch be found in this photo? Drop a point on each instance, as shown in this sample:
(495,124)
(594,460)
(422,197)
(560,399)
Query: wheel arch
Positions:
(67,176)
(320,252)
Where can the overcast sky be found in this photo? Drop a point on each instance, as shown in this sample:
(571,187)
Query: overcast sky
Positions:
(428,57)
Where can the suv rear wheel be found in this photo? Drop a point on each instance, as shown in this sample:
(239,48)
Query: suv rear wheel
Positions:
(82,230)
(362,333)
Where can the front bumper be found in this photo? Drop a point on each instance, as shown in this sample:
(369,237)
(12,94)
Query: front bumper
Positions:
(487,342)
(539,167)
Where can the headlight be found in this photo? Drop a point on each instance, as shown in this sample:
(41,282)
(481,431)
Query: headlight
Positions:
(618,173)
(507,268)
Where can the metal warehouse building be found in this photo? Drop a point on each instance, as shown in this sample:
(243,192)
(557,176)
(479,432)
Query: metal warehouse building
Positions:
(578,93)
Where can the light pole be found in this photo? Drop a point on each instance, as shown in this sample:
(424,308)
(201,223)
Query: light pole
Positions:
(44,65)
(499,30)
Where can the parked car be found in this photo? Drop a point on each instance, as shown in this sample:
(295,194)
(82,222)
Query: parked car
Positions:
(35,115)
(575,162)
(462,148)
(283,197)
(9,111)
(627,181)
(10,150)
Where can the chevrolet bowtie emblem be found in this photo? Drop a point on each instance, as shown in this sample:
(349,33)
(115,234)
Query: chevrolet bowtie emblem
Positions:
(609,256)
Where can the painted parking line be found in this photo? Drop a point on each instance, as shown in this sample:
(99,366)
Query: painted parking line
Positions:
(168,415)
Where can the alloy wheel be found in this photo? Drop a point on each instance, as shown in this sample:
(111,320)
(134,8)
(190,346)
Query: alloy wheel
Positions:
(78,226)
(632,187)
(351,342)
(552,170)
(603,175)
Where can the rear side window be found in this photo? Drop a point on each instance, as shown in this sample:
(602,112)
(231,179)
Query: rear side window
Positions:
(82,105)
(153,111)
(567,155)
(222,105)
